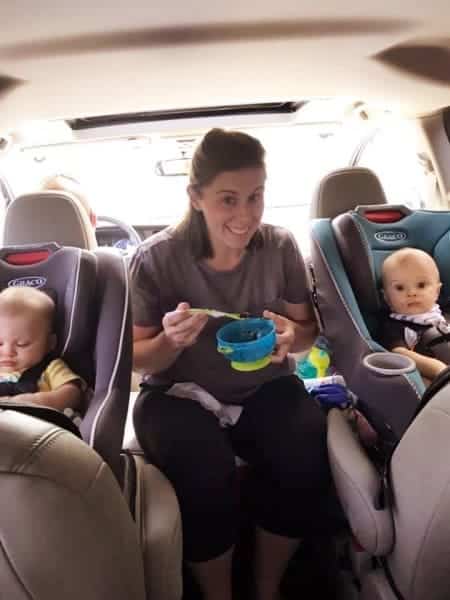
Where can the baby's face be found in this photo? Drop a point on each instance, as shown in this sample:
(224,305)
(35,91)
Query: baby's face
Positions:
(411,288)
(24,341)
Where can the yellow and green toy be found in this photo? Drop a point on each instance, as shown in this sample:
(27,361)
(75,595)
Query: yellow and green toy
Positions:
(317,362)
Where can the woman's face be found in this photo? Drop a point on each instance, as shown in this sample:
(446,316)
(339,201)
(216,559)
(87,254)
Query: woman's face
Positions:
(232,205)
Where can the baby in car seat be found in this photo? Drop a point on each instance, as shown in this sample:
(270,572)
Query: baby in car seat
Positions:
(28,371)
(415,326)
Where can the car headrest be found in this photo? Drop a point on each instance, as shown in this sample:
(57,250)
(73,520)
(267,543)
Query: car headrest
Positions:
(343,190)
(48,216)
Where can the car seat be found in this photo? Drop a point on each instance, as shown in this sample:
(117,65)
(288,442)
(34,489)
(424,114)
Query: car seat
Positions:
(93,326)
(347,253)
(406,538)
(48,216)
(65,529)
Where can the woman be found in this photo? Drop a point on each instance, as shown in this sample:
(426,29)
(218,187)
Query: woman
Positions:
(221,256)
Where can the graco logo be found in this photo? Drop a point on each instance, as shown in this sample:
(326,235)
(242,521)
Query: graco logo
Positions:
(390,236)
(35,282)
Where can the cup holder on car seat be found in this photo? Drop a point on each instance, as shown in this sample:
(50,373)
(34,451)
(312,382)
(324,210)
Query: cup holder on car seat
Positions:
(389,363)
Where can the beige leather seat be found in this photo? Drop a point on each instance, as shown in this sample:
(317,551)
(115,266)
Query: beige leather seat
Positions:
(410,539)
(343,190)
(65,529)
(48,216)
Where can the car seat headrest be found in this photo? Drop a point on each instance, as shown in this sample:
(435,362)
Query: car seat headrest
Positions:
(343,190)
(48,216)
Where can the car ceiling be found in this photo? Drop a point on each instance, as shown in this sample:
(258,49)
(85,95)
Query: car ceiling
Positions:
(85,58)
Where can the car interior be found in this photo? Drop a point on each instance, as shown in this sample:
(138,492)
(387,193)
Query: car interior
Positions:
(352,104)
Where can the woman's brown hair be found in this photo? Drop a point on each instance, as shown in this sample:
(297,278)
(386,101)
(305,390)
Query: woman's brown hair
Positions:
(218,151)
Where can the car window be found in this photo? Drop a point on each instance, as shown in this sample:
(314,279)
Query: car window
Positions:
(395,154)
(122,177)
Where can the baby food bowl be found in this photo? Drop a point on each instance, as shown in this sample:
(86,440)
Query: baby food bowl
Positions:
(247,343)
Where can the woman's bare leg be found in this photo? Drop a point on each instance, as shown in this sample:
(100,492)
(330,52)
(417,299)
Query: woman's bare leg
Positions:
(272,556)
(214,576)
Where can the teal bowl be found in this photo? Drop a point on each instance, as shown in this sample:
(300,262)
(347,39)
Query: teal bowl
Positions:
(247,343)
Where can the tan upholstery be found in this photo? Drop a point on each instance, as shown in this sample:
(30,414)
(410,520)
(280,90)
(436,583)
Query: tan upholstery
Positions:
(159,524)
(420,473)
(345,189)
(358,485)
(158,519)
(421,484)
(65,529)
(48,216)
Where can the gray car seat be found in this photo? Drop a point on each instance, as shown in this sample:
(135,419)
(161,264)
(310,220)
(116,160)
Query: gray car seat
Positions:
(407,538)
(65,529)
(93,326)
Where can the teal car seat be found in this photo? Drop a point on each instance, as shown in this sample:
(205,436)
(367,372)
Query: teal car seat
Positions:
(346,253)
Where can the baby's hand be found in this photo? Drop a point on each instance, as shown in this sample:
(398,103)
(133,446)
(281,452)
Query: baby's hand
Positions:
(23,398)
(182,327)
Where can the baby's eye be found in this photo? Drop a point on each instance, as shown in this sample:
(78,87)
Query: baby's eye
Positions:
(399,287)
(421,285)
(23,344)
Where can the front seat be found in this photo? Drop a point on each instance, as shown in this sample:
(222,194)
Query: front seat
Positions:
(48,216)
(343,190)
(408,535)
(65,529)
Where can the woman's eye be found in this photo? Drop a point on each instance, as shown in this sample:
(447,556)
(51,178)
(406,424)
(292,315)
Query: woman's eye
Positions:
(255,198)
(229,200)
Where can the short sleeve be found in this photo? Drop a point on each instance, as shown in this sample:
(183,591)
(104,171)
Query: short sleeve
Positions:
(58,374)
(297,289)
(145,296)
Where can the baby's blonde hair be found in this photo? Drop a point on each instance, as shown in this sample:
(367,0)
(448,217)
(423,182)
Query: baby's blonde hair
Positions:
(406,255)
(28,300)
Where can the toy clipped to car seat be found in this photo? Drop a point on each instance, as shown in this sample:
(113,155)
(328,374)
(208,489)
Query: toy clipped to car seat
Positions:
(247,343)
(333,395)
(317,362)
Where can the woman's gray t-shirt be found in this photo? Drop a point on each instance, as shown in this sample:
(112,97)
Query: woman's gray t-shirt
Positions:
(164,273)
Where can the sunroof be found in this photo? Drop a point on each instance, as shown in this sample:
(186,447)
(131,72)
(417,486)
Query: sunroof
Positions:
(209,111)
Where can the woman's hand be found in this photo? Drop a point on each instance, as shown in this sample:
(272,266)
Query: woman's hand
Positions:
(286,331)
(181,327)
